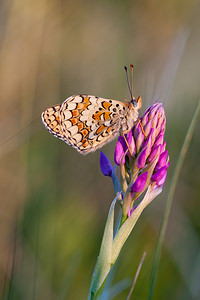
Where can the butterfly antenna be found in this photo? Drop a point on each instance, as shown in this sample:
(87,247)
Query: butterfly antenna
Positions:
(131,66)
(128,82)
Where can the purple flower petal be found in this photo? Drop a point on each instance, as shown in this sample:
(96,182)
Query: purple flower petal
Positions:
(162,160)
(106,167)
(142,159)
(140,182)
(163,147)
(162,181)
(148,143)
(153,153)
(119,156)
(155,121)
(159,139)
(158,176)
(137,130)
(139,140)
(144,119)
(153,111)
(122,141)
(131,142)
(147,128)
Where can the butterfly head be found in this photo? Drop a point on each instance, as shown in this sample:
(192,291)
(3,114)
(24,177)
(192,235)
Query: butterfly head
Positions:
(137,103)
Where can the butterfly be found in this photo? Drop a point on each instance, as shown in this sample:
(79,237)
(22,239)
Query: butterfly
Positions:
(88,122)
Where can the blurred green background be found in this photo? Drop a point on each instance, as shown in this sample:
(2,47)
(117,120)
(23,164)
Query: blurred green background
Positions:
(54,202)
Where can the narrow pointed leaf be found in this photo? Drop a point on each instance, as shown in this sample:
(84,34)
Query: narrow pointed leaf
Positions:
(103,264)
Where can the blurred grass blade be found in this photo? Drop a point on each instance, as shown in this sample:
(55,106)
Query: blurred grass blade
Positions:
(136,276)
(116,289)
(69,277)
(10,287)
(167,78)
(174,180)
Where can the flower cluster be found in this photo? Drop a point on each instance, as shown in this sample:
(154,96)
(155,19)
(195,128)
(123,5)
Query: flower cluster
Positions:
(141,156)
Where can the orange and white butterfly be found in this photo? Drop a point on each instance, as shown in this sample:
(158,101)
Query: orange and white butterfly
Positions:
(87,122)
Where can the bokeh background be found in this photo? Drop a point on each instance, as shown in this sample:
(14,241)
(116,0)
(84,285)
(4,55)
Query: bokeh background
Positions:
(54,202)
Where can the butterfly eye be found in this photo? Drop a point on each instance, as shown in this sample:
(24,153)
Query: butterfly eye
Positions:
(134,102)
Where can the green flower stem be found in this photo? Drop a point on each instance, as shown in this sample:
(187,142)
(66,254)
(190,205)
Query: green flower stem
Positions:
(111,246)
(125,230)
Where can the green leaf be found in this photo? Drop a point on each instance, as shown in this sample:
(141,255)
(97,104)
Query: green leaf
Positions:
(104,260)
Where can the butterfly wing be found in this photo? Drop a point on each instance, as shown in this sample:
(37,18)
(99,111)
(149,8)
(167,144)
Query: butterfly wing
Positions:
(51,120)
(88,122)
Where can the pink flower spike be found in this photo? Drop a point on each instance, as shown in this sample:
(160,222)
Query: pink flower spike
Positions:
(119,156)
(140,182)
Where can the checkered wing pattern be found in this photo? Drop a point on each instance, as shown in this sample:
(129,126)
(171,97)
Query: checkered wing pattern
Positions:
(87,122)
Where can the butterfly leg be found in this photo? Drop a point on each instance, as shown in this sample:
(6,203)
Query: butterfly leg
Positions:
(141,127)
(123,133)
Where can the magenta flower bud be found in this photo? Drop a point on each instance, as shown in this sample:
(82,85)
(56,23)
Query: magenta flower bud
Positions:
(148,143)
(155,121)
(131,142)
(140,182)
(153,111)
(159,175)
(162,127)
(142,159)
(153,153)
(119,156)
(159,139)
(136,130)
(162,181)
(105,165)
(144,119)
(139,140)
(147,128)
(122,141)
(163,147)
(162,160)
